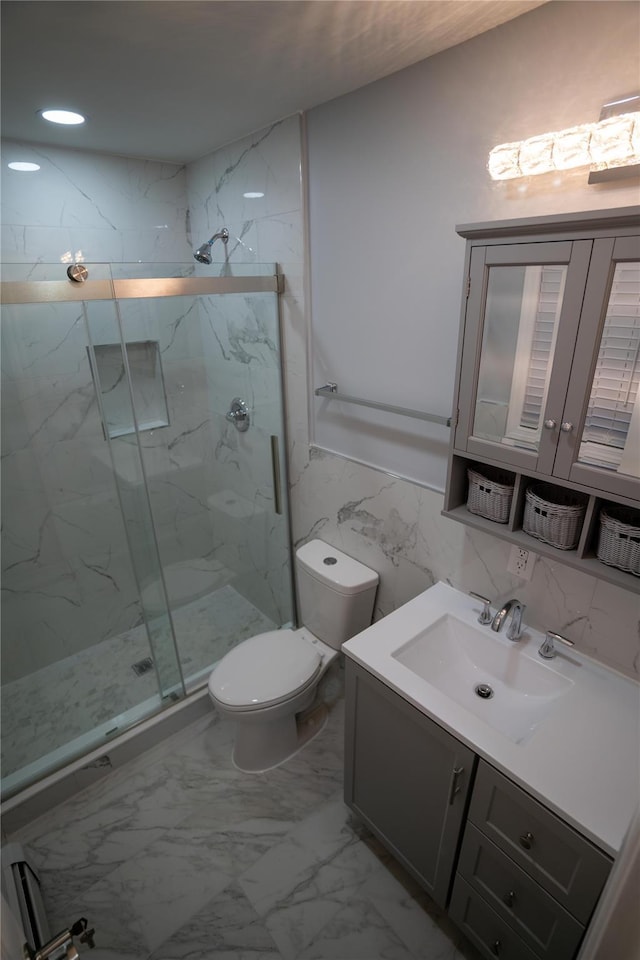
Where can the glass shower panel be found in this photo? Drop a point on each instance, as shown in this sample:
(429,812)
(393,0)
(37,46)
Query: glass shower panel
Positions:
(130,393)
(72,624)
(217,492)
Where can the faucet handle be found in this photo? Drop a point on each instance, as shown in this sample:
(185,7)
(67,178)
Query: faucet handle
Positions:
(485,617)
(547,649)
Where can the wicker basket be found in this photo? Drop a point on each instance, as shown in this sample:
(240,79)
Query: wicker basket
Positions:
(619,540)
(490,493)
(554,515)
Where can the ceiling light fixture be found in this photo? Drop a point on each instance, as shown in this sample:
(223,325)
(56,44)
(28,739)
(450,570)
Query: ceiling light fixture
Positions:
(253,195)
(23,166)
(67,117)
(613,142)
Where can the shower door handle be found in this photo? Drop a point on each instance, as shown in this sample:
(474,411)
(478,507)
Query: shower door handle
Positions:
(275,469)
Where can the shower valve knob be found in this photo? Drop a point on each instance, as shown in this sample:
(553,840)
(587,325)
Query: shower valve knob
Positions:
(239,414)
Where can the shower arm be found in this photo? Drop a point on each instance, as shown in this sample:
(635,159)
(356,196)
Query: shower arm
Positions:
(221,235)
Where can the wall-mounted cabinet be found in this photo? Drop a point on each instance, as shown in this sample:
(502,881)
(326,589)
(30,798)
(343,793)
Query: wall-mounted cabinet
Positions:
(547,388)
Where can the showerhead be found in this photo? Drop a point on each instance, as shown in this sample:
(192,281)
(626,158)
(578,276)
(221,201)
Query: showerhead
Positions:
(203,253)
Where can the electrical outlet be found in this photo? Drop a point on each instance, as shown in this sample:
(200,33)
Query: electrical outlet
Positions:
(521,562)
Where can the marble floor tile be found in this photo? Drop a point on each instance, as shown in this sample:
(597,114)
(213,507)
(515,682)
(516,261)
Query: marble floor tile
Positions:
(226,927)
(72,697)
(183,857)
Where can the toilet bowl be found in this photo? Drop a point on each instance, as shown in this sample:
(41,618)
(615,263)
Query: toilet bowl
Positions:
(266,683)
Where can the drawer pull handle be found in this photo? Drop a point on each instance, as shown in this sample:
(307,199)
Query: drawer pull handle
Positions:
(455,783)
(526,840)
(496,947)
(509,898)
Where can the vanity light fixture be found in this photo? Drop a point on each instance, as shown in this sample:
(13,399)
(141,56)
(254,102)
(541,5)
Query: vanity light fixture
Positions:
(66,117)
(612,142)
(23,166)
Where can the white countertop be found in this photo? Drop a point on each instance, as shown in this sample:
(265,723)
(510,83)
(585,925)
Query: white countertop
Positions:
(582,760)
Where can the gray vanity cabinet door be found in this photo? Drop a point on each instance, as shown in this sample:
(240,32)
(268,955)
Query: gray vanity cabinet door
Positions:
(406,777)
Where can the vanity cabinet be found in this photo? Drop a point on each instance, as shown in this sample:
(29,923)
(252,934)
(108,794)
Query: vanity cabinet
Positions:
(549,370)
(516,879)
(406,778)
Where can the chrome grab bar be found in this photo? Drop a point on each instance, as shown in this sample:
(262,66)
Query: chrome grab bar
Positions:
(330,392)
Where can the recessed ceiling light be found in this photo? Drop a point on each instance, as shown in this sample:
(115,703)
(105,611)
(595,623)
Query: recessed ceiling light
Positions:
(253,195)
(62,116)
(23,165)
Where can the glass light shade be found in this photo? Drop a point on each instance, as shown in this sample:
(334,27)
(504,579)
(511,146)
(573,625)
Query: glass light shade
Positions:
(536,155)
(503,161)
(614,141)
(571,147)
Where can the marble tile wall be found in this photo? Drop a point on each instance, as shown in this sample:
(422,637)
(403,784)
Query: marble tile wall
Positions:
(266,229)
(396,527)
(67,576)
(67,562)
(110,209)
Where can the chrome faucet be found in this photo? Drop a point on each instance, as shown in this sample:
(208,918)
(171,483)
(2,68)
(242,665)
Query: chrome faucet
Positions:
(515,609)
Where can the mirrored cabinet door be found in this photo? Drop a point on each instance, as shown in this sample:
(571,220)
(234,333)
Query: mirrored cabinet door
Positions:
(526,299)
(599,442)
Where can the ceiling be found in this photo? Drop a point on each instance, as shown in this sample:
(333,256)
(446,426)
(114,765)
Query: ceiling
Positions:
(174,80)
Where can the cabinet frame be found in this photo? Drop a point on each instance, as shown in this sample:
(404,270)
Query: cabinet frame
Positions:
(608,236)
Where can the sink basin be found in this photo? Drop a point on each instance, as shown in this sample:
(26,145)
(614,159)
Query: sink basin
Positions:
(492,677)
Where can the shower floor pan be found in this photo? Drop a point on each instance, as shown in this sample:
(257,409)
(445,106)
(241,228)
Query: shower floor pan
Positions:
(49,716)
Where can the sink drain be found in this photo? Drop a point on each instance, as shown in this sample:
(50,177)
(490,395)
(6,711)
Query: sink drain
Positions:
(484,691)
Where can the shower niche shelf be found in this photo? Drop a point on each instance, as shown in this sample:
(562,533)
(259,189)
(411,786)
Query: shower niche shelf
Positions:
(110,377)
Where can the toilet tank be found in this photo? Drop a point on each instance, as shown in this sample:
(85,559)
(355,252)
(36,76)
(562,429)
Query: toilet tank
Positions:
(336,592)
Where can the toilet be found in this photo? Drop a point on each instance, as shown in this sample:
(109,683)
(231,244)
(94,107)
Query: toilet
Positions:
(267,681)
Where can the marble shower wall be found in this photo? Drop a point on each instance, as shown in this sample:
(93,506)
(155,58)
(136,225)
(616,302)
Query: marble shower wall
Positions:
(92,207)
(267,229)
(67,576)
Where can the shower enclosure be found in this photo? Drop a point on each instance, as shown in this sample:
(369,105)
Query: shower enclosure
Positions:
(145,519)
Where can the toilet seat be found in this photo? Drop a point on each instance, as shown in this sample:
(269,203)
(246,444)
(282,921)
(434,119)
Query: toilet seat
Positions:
(265,670)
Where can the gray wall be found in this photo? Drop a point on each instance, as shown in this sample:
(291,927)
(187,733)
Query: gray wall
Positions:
(393,168)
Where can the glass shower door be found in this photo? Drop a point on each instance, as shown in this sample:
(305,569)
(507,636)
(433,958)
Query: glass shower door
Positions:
(73,624)
(209,405)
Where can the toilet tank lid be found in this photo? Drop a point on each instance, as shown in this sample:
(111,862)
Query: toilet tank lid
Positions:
(336,569)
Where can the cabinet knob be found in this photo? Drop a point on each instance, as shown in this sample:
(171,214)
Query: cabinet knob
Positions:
(509,898)
(566,426)
(526,840)
(550,424)
(496,947)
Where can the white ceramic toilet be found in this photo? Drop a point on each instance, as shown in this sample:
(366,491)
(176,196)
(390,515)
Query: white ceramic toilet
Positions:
(267,680)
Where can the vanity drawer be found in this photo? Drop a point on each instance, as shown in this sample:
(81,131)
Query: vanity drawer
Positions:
(492,935)
(571,868)
(543,924)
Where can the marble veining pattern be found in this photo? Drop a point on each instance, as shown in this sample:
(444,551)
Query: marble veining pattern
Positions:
(54,705)
(179,856)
